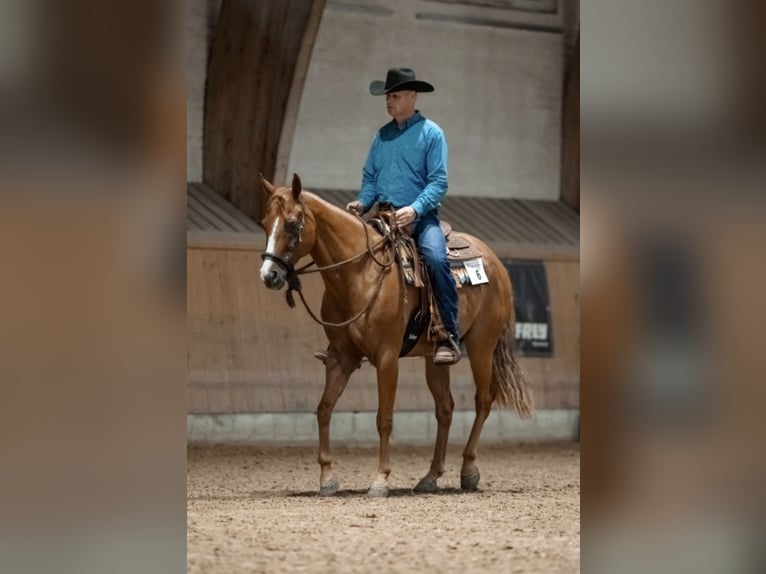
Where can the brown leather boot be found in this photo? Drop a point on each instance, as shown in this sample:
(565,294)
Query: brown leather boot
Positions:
(447,352)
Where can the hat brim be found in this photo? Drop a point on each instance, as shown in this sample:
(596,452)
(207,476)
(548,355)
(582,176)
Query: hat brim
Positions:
(378,87)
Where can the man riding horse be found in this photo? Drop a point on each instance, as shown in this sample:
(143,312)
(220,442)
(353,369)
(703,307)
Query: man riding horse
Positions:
(406,170)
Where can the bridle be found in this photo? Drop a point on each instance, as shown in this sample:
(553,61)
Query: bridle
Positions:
(295,239)
(292,274)
(296,236)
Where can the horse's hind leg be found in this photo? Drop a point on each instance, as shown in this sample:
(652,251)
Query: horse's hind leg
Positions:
(437,377)
(481,366)
(337,372)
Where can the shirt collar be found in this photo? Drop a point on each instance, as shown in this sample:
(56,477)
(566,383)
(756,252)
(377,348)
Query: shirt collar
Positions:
(409,122)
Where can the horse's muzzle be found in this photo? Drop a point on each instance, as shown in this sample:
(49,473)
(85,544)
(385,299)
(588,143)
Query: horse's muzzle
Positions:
(273,279)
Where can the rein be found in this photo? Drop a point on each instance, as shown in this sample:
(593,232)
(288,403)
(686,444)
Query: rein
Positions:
(294,282)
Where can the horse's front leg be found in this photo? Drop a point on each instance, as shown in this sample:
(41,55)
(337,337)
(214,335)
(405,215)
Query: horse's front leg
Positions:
(338,369)
(388,377)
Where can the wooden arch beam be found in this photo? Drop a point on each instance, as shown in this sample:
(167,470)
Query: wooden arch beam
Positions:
(257,68)
(570,132)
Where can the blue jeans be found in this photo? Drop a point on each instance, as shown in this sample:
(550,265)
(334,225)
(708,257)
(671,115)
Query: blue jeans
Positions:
(433,248)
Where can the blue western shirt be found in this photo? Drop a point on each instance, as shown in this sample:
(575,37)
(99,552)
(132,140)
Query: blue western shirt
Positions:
(406,166)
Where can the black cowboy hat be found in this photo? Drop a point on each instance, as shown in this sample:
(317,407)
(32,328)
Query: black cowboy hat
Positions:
(399,79)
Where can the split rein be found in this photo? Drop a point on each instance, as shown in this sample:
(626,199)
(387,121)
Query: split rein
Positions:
(293,274)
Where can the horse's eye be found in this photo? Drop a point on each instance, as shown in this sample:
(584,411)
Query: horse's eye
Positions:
(292,225)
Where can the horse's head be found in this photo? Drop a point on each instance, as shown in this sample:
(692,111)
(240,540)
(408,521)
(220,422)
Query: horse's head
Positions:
(284,222)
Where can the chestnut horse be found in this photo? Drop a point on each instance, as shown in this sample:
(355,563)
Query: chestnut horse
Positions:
(365,311)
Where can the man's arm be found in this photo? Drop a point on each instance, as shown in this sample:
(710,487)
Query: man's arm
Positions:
(436,175)
(368,194)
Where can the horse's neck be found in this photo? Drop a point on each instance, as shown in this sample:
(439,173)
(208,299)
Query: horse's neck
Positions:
(338,234)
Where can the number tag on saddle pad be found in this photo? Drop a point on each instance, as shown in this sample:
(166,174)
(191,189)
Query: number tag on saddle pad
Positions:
(476,273)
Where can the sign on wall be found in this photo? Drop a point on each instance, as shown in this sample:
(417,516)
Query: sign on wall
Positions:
(534,336)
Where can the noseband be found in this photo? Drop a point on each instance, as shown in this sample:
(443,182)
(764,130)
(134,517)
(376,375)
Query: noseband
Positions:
(281,261)
(293,282)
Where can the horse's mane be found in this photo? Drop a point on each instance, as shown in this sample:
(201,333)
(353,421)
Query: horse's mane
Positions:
(334,209)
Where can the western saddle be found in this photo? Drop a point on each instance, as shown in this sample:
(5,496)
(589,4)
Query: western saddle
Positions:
(459,249)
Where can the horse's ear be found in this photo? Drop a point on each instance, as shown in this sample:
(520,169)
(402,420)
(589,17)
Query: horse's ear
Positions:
(267,187)
(297,186)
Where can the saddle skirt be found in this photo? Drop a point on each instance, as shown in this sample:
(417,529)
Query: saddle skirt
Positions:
(466,265)
(460,253)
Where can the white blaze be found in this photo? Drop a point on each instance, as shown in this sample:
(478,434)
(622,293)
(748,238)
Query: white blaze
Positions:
(270,246)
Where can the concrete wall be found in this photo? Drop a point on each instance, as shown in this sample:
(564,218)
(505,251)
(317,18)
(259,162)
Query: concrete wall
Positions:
(498,74)
(498,92)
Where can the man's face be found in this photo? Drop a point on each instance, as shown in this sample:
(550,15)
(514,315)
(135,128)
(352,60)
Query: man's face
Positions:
(400,105)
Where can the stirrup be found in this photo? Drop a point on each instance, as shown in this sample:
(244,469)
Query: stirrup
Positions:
(324,354)
(447,352)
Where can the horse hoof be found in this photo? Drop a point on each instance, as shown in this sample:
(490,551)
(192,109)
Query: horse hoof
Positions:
(469,482)
(377,492)
(329,488)
(426,485)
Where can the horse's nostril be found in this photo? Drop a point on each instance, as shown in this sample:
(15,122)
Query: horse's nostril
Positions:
(272,276)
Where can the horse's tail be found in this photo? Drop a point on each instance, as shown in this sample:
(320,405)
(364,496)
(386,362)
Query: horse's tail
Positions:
(509,386)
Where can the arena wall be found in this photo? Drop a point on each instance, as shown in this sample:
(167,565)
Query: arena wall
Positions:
(249,352)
